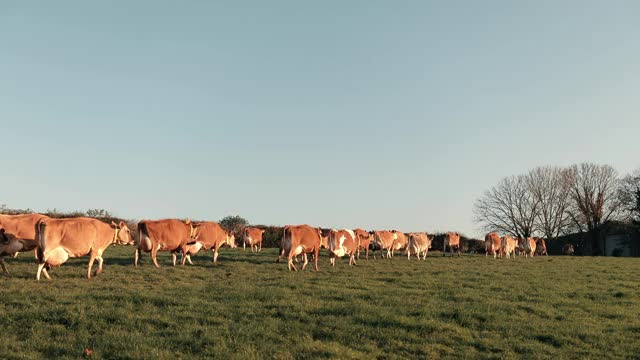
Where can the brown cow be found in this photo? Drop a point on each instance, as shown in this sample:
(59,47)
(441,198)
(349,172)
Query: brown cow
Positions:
(211,236)
(541,247)
(399,242)
(509,245)
(17,234)
(301,239)
(419,243)
(61,239)
(364,239)
(493,245)
(164,235)
(341,243)
(252,237)
(383,240)
(527,246)
(452,239)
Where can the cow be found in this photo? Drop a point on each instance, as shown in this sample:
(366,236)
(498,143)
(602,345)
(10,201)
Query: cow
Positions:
(211,236)
(520,246)
(301,239)
(527,246)
(324,241)
(508,245)
(17,234)
(568,249)
(541,247)
(419,243)
(61,239)
(252,237)
(493,245)
(399,242)
(452,239)
(341,243)
(384,240)
(165,235)
(364,240)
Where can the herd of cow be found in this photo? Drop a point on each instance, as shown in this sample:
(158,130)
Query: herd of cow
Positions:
(56,240)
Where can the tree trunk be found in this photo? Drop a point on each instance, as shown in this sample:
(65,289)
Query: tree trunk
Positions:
(594,242)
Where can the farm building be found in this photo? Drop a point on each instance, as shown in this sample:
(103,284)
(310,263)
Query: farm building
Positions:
(618,239)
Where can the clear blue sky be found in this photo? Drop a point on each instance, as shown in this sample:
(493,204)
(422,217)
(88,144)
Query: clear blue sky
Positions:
(373,114)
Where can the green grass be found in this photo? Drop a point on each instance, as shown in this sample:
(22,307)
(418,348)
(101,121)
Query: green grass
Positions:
(248,306)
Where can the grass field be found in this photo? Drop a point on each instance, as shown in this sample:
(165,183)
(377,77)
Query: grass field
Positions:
(248,306)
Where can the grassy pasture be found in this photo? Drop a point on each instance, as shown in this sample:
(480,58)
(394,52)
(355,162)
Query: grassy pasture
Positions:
(250,307)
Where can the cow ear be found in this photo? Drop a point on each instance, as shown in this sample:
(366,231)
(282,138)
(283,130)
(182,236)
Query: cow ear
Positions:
(187,222)
(122,224)
(114,224)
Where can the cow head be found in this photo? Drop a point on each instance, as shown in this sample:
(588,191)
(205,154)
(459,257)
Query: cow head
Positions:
(324,242)
(122,233)
(231,239)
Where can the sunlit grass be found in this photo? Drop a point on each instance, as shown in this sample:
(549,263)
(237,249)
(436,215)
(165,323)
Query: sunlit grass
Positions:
(248,306)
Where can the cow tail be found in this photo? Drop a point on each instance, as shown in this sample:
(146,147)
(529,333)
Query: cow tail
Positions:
(41,226)
(142,232)
(284,237)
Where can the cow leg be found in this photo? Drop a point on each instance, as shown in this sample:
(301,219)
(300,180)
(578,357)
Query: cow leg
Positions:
(316,255)
(173,257)
(136,257)
(290,261)
(291,265)
(42,270)
(215,254)
(100,262)
(189,259)
(260,244)
(185,253)
(306,261)
(444,249)
(4,265)
(92,258)
(154,255)
(244,246)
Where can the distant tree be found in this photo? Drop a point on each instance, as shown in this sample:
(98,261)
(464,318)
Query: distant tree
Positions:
(509,208)
(594,193)
(98,213)
(8,211)
(630,196)
(550,189)
(234,223)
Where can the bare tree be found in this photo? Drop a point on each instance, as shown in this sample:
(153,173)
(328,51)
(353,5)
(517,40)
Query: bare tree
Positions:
(630,196)
(593,189)
(509,207)
(550,189)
